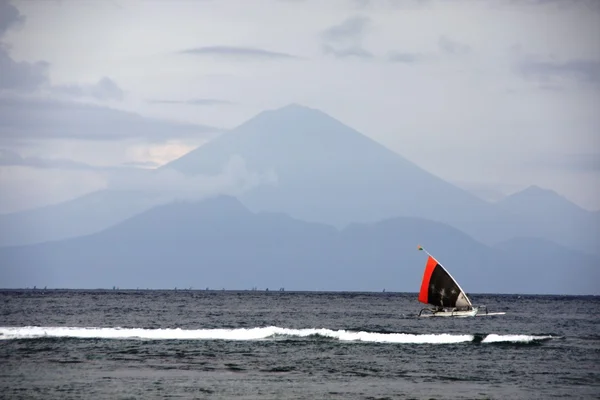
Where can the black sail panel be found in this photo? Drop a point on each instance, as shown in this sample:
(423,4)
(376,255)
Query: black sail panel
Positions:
(443,290)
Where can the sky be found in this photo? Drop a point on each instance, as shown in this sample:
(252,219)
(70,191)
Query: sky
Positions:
(492,95)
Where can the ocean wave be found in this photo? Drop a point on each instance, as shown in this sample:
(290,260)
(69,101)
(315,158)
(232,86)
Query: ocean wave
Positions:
(493,338)
(258,333)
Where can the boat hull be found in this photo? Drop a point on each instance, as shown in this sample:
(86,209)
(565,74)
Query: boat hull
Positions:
(449,313)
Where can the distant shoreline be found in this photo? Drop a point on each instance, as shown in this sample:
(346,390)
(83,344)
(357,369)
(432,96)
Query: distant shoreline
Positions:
(276,291)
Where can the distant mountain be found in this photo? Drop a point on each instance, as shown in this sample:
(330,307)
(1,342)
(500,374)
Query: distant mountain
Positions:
(328,172)
(219,243)
(484,192)
(129,193)
(559,219)
(542,203)
(547,263)
(87,214)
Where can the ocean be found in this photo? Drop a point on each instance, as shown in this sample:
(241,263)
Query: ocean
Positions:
(150,344)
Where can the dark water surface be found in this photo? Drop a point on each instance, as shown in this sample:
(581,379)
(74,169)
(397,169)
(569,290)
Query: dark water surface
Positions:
(283,345)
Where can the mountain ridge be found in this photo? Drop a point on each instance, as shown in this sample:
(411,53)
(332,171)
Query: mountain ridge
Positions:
(340,175)
(561,220)
(325,172)
(218,242)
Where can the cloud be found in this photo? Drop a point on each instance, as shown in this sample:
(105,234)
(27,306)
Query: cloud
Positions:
(24,76)
(354,51)
(169,184)
(550,70)
(453,47)
(583,162)
(345,39)
(104,89)
(21,76)
(446,47)
(591,5)
(9,17)
(237,53)
(141,164)
(197,102)
(26,118)
(407,58)
(361,3)
(352,28)
(10,158)
(389,4)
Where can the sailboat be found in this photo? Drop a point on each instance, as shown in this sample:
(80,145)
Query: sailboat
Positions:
(443,292)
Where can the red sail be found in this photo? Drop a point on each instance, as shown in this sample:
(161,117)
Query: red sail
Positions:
(429,267)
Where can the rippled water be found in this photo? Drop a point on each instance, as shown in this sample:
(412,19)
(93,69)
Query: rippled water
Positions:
(283,345)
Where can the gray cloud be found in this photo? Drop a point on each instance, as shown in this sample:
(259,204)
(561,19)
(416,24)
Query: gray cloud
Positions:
(9,17)
(104,89)
(592,5)
(581,70)
(352,28)
(197,102)
(35,118)
(407,58)
(573,162)
(141,164)
(354,51)
(446,46)
(24,76)
(552,88)
(453,47)
(361,3)
(15,75)
(29,76)
(237,52)
(345,39)
(169,184)
(10,158)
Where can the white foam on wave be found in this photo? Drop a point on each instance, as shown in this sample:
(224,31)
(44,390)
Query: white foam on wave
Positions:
(494,338)
(33,332)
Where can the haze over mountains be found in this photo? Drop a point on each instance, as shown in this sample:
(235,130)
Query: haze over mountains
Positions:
(218,243)
(318,176)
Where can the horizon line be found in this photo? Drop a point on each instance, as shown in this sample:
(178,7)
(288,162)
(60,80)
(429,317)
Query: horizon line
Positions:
(275,290)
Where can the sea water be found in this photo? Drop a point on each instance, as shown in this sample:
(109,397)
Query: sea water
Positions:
(62,344)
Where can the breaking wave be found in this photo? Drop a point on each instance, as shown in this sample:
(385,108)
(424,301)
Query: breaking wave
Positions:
(493,338)
(259,333)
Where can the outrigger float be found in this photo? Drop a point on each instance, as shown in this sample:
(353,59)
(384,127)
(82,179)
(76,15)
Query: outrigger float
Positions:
(441,290)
